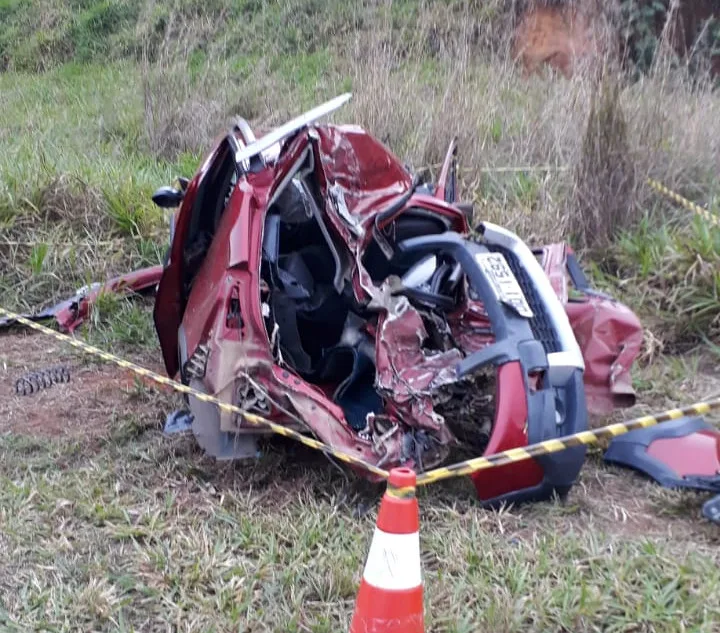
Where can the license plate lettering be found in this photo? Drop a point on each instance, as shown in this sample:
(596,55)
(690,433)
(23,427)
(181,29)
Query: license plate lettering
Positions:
(504,283)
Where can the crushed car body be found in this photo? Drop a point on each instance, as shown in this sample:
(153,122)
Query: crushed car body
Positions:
(314,280)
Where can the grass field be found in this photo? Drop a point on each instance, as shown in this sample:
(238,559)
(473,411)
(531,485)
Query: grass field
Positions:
(105,524)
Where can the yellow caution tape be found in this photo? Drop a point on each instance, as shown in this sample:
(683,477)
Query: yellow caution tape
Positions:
(251,418)
(562,443)
(406,492)
(689,205)
(446,472)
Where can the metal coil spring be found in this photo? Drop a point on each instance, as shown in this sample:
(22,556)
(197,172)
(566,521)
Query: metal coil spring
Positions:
(37,380)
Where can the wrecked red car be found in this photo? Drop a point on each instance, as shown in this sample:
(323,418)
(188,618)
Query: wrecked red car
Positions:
(314,280)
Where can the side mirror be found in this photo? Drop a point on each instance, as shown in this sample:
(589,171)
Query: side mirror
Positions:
(168,197)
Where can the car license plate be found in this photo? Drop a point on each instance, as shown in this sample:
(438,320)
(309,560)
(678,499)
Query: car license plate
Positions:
(507,289)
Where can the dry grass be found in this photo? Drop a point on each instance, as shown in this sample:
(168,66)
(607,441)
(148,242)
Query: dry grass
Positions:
(124,529)
(669,274)
(503,121)
(446,71)
(120,528)
(69,235)
(185,98)
(603,203)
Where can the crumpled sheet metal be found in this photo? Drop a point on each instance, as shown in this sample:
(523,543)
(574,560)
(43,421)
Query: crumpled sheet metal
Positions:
(610,337)
(609,334)
(366,173)
(72,312)
(407,375)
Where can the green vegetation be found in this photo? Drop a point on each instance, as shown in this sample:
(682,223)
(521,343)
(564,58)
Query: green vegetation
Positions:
(676,278)
(38,35)
(104,101)
(640,17)
(136,531)
(85,143)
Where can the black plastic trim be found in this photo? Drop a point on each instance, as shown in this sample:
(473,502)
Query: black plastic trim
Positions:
(516,341)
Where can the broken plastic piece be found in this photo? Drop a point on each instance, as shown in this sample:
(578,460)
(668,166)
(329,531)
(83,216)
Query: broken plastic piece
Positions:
(711,509)
(178,421)
(682,453)
(168,197)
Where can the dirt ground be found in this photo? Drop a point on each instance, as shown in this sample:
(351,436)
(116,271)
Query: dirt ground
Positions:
(82,407)
(87,407)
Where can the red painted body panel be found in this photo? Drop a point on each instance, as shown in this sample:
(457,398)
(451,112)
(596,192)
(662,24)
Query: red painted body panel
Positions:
(509,432)
(369,175)
(71,313)
(168,303)
(694,454)
(70,317)
(609,334)
(231,263)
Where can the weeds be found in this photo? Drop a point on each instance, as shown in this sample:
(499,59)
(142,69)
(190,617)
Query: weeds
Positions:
(681,33)
(85,146)
(184,92)
(604,200)
(676,268)
(120,324)
(136,530)
(72,234)
(161,535)
(72,201)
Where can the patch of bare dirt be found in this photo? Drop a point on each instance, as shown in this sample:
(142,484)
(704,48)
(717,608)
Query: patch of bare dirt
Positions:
(82,407)
(619,504)
(607,498)
(627,504)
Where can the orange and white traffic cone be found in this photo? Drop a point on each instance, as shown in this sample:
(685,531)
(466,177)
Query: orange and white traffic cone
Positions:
(390,599)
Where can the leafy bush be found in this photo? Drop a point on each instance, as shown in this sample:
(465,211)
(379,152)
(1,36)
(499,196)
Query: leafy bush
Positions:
(91,32)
